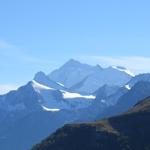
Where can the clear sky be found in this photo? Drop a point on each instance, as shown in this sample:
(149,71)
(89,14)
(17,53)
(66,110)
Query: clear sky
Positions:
(43,34)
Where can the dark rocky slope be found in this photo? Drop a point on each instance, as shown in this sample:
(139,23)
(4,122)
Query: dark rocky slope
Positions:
(129,131)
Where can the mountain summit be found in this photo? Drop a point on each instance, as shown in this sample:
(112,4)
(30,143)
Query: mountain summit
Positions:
(71,73)
(87,79)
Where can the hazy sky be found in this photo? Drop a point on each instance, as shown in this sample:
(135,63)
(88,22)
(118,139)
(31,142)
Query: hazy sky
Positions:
(43,34)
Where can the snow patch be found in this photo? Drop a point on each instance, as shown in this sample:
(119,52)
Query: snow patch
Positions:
(38,86)
(128,87)
(50,109)
(68,95)
(60,84)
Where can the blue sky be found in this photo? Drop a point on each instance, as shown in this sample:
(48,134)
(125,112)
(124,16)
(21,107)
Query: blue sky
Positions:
(41,35)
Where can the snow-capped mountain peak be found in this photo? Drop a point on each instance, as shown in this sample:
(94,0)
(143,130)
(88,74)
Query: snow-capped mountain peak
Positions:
(86,79)
(71,73)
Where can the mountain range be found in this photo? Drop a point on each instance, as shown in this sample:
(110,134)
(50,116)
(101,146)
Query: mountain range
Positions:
(73,93)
